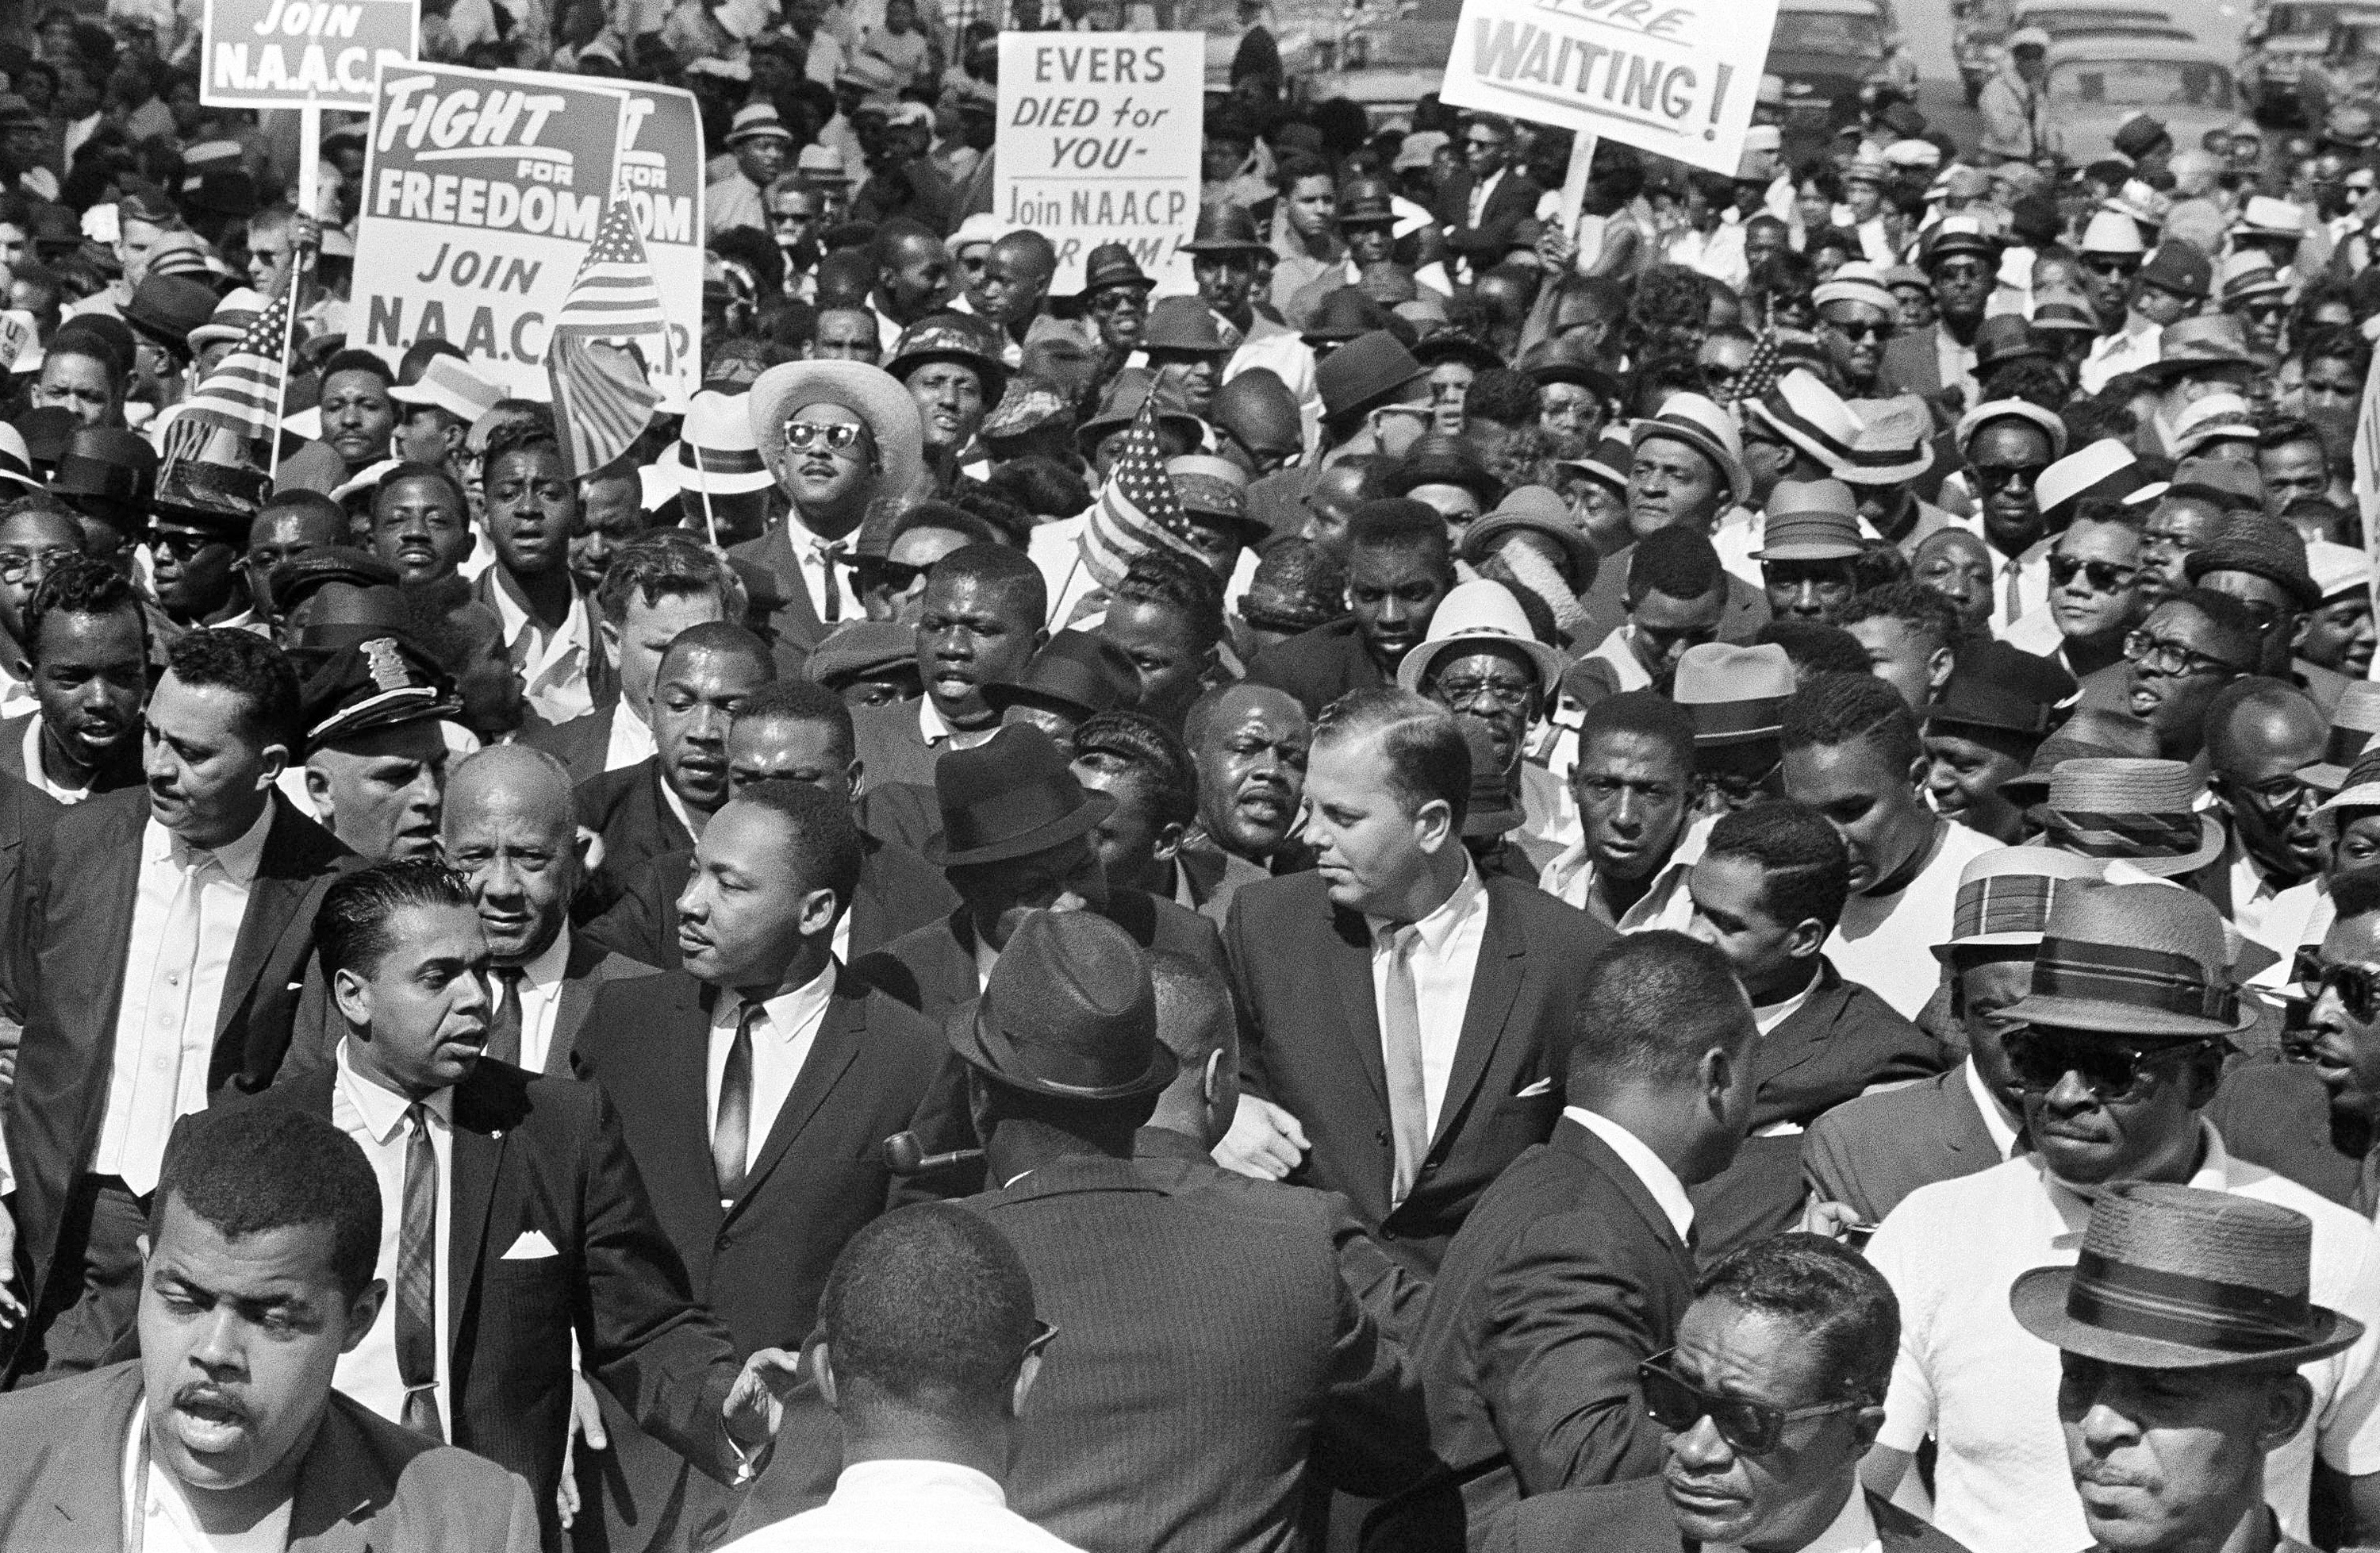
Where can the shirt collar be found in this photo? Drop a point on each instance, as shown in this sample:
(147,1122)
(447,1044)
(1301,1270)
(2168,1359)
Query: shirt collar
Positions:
(1662,1182)
(1852,1530)
(383,1109)
(791,1011)
(515,616)
(239,857)
(1996,1116)
(546,968)
(1769,1017)
(1468,894)
(888,1478)
(929,722)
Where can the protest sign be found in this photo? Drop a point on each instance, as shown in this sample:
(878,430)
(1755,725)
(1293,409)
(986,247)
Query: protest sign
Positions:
(1673,77)
(296,53)
(480,197)
(1099,142)
(661,167)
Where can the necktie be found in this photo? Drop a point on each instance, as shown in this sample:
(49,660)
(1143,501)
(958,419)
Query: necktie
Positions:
(504,1028)
(417,1278)
(1400,1047)
(830,552)
(157,1085)
(733,1132)
(2015,604)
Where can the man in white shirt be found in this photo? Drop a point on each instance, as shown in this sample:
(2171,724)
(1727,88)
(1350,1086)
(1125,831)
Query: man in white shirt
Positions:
(88,657)
(31,543)
(1851,751)
(928,1348)
(2009,446)
(1635,786)
(2120,1047)
(531,512)
(2259,735)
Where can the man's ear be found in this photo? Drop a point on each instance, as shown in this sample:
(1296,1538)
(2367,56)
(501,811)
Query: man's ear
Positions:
(1917,769)
(1167,843)
(1809,935)
(1434,825)
(2287,1405)
(822,1373)
(362,1314)
(275,760)
(1938,666)
(352,995)
(1719,1077)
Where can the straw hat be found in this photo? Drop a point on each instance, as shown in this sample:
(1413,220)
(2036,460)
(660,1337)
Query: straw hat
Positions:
(2025,410)
(2216,418)
(1702,425)
(2089,734)
(2006,896)
(450,382)
(2353,723)
(2102,471)
(1734,694)
(1483,612)
(2134,960)
(868,391)
(1895,442)
(716,450)
(1532,510)
(2140,812)
(1810,521)
(1811,416)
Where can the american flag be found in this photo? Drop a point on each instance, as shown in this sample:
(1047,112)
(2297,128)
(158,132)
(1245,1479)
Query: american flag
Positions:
(242,396)
(1137,508)
(1760,374)
(602,397)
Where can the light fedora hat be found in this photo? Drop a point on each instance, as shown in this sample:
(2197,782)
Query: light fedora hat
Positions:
(716,450)
(1812,417)
(2140,812)
(871,393)
(1734,694)
(2353,723)
(1700,425)
(1473,615)
(2005,895)
(2359,789)
(2144,959)
(454,386)
(2179,1278)
(1810,521)
(1895,442)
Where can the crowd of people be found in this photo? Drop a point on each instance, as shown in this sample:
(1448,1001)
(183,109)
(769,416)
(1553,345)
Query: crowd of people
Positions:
(1690,865)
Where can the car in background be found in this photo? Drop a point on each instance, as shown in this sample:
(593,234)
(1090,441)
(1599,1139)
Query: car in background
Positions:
(2058,17)
(2348,69)
(1822,50)
(2286,45)
(2097,81)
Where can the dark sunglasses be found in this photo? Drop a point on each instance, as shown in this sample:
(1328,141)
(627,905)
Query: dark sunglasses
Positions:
(1750,1428)
(1993,477)
(2357,987)
(871,571)
(2104,577)
(2111,1070)
(2113,268)
(1868,331)
(184,544)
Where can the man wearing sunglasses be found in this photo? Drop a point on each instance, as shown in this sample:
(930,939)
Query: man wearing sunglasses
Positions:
(2260,734)
(2170,286)
(1961,256)
(1774,1388)
(2116,1050)
(2008,446)
(2096,593)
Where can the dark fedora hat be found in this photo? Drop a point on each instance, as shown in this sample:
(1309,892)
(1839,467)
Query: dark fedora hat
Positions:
(1346,314)
(1010,797)
(1367,202)
(2180,1277)
(1364,373)
(107,472)
(1437,458)
(2004,689)
(167,307)
(2004,339)
(1224,228)
(221,499)
(1447,343)
(1185,324)
(1122,402)
(1075,672)
(1113,265)
(1069,1013)
(47,432)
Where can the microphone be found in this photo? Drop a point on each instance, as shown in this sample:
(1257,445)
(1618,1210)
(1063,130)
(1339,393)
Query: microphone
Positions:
(904,1156)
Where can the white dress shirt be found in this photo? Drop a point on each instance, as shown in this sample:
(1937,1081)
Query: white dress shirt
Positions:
(906,1507)
(1995,1117)
(1443,958)
(1852,1531)
(810,561)
(541,1001)
(553,667)
(781,1039)
(166,1023)
(158,1512)
(632,740)
(41,778)
(374,1118)
(1570,878)
(1667,1191)
(2138,344)
(2032,572)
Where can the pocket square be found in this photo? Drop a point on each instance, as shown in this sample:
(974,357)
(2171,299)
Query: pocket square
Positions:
(531,1246)
(1543,1086)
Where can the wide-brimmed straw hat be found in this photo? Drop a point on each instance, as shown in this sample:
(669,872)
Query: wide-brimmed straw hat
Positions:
(2134,960)
(871,393)
(2139,812)
(2353,723)
(2005,895)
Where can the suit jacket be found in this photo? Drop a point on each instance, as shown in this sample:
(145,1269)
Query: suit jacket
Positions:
(1607,603)
(1566,1276)
(760,1263)
(893,747)
(898,890)
(1302,972)
(1911,365)
(580,744)
(1513,201)
(786,609)
(1222,1365)
(26,815)
(124,773)
(626,809)
(1215,878)
(1634,1517)
(1840,1042)
(78,886)
(367,1485)
(548,1156)
(1320,666)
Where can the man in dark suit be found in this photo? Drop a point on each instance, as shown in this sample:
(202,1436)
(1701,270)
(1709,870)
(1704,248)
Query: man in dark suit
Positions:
(163,938)
(758,1180)
(1486,197)
(979,623)
(1064,1065)
(801,732)
(1767,889)
(1793,1326)
(1411,1015)
(261,1263)
(1575,1268)
(548,1228)
(86,636)
(1399,566)
(25,816)
(660,804)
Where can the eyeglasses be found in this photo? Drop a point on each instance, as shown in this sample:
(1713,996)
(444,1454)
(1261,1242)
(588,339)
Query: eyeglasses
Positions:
(869,571)
(2265,311)
(185,544)
(1483,142)
(838,437)
(2282,795)
(1505,693)
(2104,577)
(1997,477)
(2111,1070)
(1750,1428)
(1959,269)
(16,565)
(2173,658)
(2111,267)
(1871,330)
(790,218)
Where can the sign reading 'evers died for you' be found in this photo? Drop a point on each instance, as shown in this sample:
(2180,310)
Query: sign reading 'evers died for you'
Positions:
(287,53)
(480,197)
(1099,142)
(1675,77)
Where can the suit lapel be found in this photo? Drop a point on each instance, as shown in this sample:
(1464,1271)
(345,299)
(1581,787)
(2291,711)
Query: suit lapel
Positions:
(337,1491)
(476,1157)
(1359,1010)
(786,563)
(831,1056)
(577,994)
(669,832)
(1804,1033)
(102,916)
(89,1499)
(1495,982)
(867,903)
(272,899)
(680,1076)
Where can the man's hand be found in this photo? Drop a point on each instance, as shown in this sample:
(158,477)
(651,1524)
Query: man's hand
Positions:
(1555,248)
(1838,1221)
(587,1423)
(1264,1141)
(12,1308)
(755,1403)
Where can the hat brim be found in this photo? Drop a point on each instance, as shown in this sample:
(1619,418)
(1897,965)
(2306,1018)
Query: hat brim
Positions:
(1081,821)
(2210,843)
(1223,245)
(2174,366)
(1435,352)
(1948,953)
(983,1046)
(1730,468)
(1917,463)
(994,374)
(1002,694)
(1420,659)
(2037,1299)
(1478,539)
(1814,552)
(872,394)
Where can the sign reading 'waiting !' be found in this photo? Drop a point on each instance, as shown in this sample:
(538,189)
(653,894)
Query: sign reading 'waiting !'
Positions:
(287,53)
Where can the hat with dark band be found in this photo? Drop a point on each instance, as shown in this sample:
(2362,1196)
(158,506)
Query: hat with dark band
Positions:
(379,682)
(2006,896)
(1895,442)
(2353,723)
(2139,812)
(1810,521)
(1810,415)
(716,450)
(1734,694)
(220,499)
(1068,1013)
(2144,959)
(2089,733)
(1010,797)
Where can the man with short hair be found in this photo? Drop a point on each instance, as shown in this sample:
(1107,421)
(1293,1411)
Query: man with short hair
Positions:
(226,1430)
(983,616)
(1912,635)
(293,523)
(1166,614)
(1774,1388)
(375,752)
(1851,753)
(2290,457)
(1634,785)
(1573,1268)
(1143,768)
(87,640)
(531,509)
(1399,564)
(2096,594)
(1250,743)
(2008,446)
(2261,562)
(33,538)
(914,278)
(2189,647)
(1677,597)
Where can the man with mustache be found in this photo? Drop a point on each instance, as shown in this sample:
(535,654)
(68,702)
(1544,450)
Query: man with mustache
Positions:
(1773,1391)
(261,1289)
(1250,743)
(88,640)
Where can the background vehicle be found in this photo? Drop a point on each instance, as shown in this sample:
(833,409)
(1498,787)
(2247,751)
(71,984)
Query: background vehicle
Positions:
(1823,50)
(2285,46)
(2098,81)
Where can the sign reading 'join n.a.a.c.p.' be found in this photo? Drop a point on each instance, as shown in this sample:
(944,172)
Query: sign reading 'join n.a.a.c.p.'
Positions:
(481,194)
(287,54)
(1099,142)
(1674,77)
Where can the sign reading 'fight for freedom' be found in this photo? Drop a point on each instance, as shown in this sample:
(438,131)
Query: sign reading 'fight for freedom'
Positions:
(480,197)
(286,54)
(1675,77)
(1099,142)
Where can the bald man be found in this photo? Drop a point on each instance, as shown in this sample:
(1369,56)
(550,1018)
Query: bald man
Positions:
(2260,732)
(661,803)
